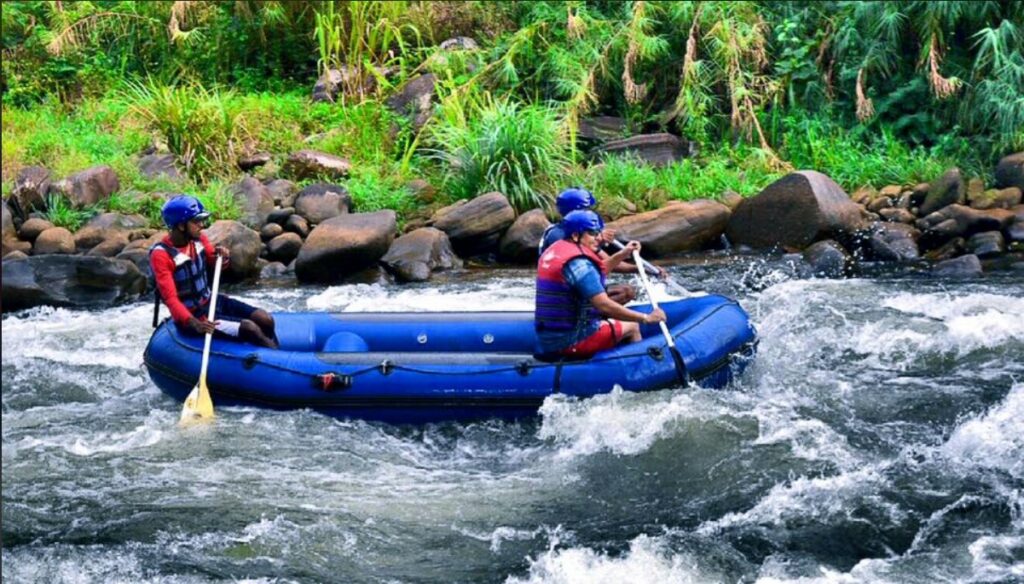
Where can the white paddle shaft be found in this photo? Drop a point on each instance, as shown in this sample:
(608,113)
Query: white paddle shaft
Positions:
(210,317)
(650,268)
(654,303)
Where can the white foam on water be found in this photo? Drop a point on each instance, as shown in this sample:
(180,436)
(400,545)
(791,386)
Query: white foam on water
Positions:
(505,533)
(110,338)
(990,559)
(157,427)
(972,321)
(994,439)
(801,312)
(281,530)
(648,561)
(618,422)
(808,438)
(825,499)
(887,347)
(803,321)
(83,564)
(759,275)
(501,294)
(997,558)
(871,571)
(286,544)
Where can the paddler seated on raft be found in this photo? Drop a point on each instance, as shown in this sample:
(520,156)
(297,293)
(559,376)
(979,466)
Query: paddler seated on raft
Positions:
(182,266)
(574,316)
(575,199)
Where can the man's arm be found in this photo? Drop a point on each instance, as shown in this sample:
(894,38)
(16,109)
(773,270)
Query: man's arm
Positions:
(608,307)
(212,252)
(624,267)
(584,277)
(612,262)
(163,273)
(628,267)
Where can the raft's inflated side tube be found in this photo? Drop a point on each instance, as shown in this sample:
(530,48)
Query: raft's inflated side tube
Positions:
(345,342)
(409,367)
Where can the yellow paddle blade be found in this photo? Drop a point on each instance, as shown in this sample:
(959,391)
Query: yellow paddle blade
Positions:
(198,405)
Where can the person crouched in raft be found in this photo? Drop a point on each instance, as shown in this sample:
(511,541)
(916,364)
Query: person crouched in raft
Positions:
(574,316)
(575,199)
(182,266)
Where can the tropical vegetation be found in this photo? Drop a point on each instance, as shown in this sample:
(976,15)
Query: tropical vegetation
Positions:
(868,92)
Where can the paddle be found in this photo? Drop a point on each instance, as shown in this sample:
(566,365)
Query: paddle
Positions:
(676,357)
(198,405)
(649,268)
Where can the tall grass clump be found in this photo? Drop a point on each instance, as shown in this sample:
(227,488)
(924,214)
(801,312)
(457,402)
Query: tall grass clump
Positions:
(619,180)
(744,170)
(68,140)
(855,160)
(500,145)
(197,123)
(376,191)
(362,40)
(62,213)
(135,203)
(219,200)
(363,133)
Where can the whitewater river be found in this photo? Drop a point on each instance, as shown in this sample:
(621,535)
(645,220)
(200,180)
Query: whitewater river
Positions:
(879,437)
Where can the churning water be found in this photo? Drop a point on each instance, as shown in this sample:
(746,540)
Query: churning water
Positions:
(879,437)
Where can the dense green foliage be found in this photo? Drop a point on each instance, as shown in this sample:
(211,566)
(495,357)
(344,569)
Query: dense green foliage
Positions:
(499,145)
(867,92)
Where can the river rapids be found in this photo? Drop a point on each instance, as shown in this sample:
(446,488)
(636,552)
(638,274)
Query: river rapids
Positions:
(878,437)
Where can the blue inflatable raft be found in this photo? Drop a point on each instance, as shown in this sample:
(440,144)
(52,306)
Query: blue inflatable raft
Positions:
(416,367)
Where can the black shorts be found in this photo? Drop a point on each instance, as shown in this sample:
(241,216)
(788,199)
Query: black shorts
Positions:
(230,313)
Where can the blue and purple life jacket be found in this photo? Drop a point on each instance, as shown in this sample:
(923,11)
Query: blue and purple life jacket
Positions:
(558,306)
(190,275)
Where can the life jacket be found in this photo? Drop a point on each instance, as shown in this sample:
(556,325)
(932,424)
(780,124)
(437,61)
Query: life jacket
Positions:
(190,277)
(553,233)
(559,307)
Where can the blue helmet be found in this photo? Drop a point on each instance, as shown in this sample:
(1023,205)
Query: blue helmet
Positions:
(182,208)
(581,221)
(574,198)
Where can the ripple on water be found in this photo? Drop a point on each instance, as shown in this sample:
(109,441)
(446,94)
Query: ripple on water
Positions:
(648,559)
(880,411)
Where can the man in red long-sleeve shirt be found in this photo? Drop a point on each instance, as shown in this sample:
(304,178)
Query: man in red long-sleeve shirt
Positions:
(181,264)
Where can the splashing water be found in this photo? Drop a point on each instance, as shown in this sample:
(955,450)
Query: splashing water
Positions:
(878,437)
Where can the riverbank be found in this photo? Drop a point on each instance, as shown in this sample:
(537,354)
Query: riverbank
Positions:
(316,235)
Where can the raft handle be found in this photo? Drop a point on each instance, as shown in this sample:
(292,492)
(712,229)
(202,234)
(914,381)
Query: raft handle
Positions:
(656,353)
(332,381)
(386,367)
(250,361)
(523,368)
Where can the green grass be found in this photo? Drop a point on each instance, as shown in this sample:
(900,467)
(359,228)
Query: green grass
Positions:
(61,213)
(66,141)
(808,144)
(282,123)
(854,161)
(147,204)
(111,131)
(500,145)
(620,179)
(374,190)
(216,196)
(489,145)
